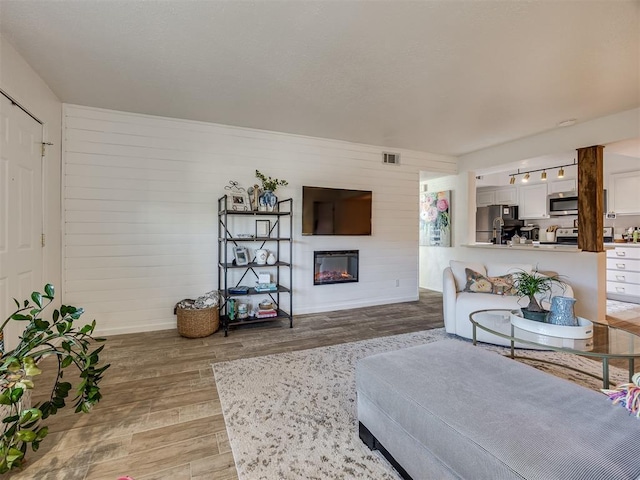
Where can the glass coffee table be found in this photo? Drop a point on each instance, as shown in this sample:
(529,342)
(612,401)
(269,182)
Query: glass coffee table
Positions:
(607,342)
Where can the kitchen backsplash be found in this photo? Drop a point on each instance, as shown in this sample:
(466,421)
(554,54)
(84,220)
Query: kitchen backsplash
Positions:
(619,225)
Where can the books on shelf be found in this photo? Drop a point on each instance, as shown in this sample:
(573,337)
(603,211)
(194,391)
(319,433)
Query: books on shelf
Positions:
(239,290)
(266,287)
(266,313)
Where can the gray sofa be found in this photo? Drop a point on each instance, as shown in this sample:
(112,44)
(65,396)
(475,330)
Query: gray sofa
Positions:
(451,410)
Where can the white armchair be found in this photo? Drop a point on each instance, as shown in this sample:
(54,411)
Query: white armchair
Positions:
(458,304)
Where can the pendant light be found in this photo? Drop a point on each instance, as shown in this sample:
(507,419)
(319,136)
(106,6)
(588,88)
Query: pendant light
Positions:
(561,173)
(525,179)
(512,180)
(543,176)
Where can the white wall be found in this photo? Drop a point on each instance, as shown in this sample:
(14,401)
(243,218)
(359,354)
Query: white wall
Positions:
(140,212)
(23,84)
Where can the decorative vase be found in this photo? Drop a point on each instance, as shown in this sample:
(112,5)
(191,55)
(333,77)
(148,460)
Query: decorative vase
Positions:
(271,259)
(269,200)
(561,312)
(261,256)
(535,316)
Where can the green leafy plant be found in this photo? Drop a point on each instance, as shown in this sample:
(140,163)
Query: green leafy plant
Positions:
(269,183)
(70,346)
(530,284)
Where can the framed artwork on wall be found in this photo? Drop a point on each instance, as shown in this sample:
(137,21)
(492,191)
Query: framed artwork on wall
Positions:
(435,218)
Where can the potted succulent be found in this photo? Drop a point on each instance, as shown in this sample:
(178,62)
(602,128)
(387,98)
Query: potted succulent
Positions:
(530,284)
(269,185)
(70,346)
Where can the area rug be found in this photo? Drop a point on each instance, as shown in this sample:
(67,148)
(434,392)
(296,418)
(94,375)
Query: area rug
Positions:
(293,415)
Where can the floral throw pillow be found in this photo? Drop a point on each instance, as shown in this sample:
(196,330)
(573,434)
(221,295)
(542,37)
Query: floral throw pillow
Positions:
(479,283)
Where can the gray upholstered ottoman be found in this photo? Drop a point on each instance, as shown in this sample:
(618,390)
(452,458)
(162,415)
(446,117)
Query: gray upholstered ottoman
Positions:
(451,410)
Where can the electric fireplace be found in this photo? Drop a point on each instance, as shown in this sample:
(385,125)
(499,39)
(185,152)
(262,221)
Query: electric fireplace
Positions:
(335,266)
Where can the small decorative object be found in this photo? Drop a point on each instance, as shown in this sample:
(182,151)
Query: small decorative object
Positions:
(241,255)
(72,347)
(435,216)
(530,284)
(231,309)
(561,311)
(242,311)
(627,395)
(264,277)
(263,227)
(261,256)
(271,259)
(254,197)
(237,198)
(268,200)
(239,290)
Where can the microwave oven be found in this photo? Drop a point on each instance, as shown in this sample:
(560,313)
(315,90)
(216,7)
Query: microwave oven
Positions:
(566,203)
(563,203)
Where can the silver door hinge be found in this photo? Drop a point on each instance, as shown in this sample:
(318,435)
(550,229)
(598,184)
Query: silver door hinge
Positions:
(44,144)
(42,238)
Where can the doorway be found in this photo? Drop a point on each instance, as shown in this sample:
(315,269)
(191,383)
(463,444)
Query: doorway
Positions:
(21,211)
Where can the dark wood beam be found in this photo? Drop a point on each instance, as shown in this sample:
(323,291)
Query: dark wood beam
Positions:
(590,199)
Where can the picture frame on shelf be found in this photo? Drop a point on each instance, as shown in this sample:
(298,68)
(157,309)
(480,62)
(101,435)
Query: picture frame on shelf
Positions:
(263,228)
(238,202)
(241,255)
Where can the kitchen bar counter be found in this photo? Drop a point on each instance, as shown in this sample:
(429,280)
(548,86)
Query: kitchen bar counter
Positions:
(527,246)
(613,245)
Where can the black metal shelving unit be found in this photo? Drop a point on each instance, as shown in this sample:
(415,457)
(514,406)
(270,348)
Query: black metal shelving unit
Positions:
(280,240)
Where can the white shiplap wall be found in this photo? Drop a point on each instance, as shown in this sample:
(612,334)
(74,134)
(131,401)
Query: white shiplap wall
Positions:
(140,197)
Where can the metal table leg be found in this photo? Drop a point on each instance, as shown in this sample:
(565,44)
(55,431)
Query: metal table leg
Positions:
(631,368)
(605,372)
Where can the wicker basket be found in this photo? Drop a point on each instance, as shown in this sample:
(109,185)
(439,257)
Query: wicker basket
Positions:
(196,323)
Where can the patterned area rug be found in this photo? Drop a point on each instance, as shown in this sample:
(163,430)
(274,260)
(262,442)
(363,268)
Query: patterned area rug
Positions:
(293,415)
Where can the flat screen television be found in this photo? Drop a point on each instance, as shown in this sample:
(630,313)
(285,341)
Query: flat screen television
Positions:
(335,211)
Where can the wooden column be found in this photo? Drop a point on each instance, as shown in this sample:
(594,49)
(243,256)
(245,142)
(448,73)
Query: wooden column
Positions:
(590,199)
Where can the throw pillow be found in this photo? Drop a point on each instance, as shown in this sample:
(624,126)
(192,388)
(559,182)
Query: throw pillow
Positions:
(479,283)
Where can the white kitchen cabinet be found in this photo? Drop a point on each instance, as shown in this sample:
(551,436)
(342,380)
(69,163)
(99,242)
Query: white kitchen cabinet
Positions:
(484,198)
(507,196)
(496,196)
(533,201)
(567,185)
(624,193)
(623,274)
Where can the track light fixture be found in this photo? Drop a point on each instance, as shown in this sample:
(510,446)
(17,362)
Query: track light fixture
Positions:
(543,176)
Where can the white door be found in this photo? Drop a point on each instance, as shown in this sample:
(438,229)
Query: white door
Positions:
(20,212)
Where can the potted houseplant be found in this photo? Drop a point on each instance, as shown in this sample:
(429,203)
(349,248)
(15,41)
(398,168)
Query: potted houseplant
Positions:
(530,284)
(269,185)
(22,424)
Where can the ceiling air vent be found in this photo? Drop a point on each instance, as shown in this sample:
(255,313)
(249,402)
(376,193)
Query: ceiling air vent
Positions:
(391,158)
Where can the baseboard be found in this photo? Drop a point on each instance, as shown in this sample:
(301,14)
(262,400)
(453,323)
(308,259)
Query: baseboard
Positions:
(150,327)
(348,305)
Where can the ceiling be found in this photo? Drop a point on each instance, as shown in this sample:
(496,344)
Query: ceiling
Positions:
(446,77)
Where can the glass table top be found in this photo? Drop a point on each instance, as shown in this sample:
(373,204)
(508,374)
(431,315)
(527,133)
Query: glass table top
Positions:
(607,341)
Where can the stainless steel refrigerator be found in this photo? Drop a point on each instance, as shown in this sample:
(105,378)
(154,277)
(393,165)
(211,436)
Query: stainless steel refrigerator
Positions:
(489,217)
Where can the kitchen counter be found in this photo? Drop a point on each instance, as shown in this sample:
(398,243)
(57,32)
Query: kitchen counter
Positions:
(613,245)
(528,246)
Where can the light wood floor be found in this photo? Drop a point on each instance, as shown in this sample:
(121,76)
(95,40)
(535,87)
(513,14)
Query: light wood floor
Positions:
(160,417)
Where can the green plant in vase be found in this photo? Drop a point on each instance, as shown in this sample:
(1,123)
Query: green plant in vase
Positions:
(71,346)
(269,185)
(532,285)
